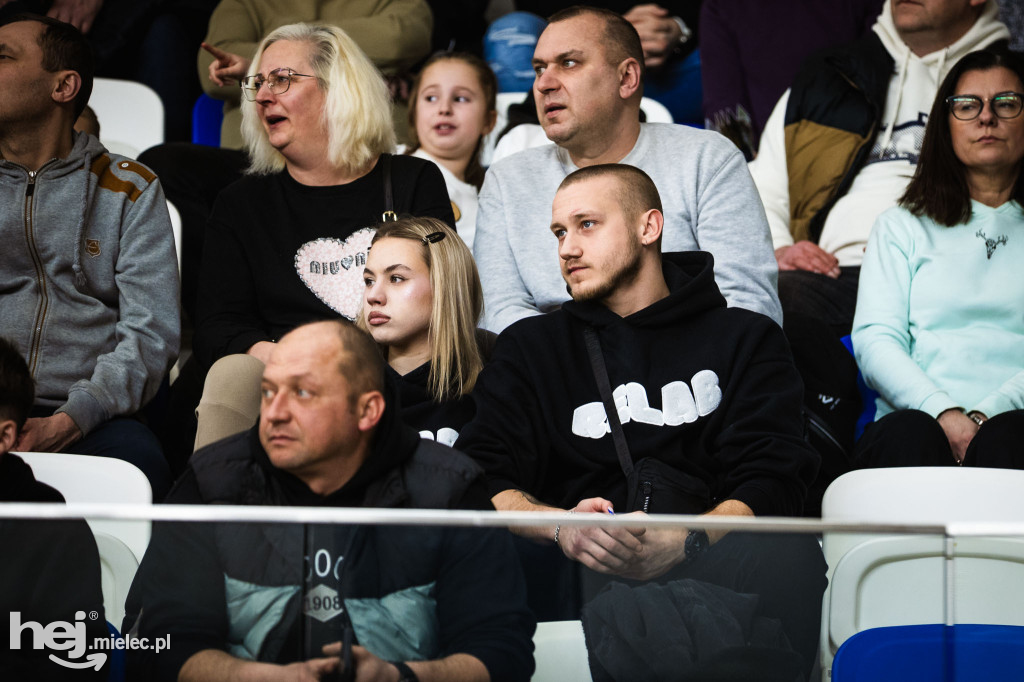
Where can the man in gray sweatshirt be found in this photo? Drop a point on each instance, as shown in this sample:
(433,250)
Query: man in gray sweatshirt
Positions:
(589,66)
(88,274)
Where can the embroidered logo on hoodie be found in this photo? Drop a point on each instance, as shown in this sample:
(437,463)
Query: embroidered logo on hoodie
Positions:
(991,244)
(678,405)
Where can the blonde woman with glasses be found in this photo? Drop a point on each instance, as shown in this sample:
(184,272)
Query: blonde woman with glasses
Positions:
(287,244)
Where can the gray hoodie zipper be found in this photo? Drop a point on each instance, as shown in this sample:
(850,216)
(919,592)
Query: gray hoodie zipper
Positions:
(44,298)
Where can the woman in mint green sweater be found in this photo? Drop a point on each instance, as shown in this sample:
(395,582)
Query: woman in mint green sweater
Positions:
(939,327)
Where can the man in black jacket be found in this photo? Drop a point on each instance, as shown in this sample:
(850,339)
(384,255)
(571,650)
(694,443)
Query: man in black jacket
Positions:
(708,399)
(280,600)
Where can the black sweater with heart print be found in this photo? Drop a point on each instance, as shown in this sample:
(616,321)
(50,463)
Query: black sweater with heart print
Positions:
(279,254)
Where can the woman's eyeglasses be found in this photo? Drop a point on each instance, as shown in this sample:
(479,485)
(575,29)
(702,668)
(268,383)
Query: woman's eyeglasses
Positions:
(969,107)
(278,81)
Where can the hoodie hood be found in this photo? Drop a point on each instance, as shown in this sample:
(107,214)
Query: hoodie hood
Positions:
(89,148)
(83,145)
(985,31)
(19,484)
(690,277)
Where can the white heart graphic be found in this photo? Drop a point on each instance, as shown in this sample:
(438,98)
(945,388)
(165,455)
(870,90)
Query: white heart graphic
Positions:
(333,270)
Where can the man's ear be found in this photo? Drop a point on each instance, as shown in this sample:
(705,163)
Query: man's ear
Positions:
(8,435)
(67,87)
(369,409)
(629,77)
(651,226)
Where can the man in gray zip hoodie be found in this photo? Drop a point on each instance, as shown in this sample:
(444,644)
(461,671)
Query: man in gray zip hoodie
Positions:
(88,274)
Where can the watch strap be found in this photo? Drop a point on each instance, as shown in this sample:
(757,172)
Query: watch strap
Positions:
(697,542)
(405,673)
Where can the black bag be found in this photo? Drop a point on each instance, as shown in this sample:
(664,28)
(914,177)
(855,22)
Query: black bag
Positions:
(687,631)
(658,488)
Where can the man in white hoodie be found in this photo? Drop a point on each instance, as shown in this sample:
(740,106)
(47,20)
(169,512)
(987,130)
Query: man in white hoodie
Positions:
(842,144)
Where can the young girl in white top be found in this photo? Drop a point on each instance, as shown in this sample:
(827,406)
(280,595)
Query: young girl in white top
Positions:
(451,109)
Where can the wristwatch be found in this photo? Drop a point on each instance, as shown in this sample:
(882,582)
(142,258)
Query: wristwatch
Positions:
(405,673)
(684,31)
(696,544)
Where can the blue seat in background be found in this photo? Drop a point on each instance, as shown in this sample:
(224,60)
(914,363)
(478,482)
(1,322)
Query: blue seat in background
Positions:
(508,49)
(932,653)
(207,115)
(117,669)
(867,395)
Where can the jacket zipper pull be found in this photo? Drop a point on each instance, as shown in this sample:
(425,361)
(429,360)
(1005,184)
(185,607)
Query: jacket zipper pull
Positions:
(31,189)
(646,487)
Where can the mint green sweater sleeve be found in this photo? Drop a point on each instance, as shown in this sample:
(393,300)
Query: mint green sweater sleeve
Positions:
(881,328)
(1009,396)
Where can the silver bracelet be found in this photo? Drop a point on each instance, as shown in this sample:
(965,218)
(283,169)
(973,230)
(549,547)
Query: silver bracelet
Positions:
(559,528)
(973,416)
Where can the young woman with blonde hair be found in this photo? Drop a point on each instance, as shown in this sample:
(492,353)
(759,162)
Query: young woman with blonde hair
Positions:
(422,303)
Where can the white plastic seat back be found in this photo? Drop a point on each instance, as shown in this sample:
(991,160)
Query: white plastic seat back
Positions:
(523,136)
(901,581)
(878,580)
(560,652)
(176,230)
(117,570)
(131,115)
(185,352)
(83,478)
(503,101)
(655,111)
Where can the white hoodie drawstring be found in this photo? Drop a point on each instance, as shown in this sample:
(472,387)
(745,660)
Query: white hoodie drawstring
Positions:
(985,31)
(896,109)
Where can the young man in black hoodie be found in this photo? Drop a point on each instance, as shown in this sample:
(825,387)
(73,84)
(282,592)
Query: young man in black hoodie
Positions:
(277,601)
(706,395)
(51,569)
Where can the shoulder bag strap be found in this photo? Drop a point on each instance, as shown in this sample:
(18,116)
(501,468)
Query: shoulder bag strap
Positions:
(389,214)
(604,386)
